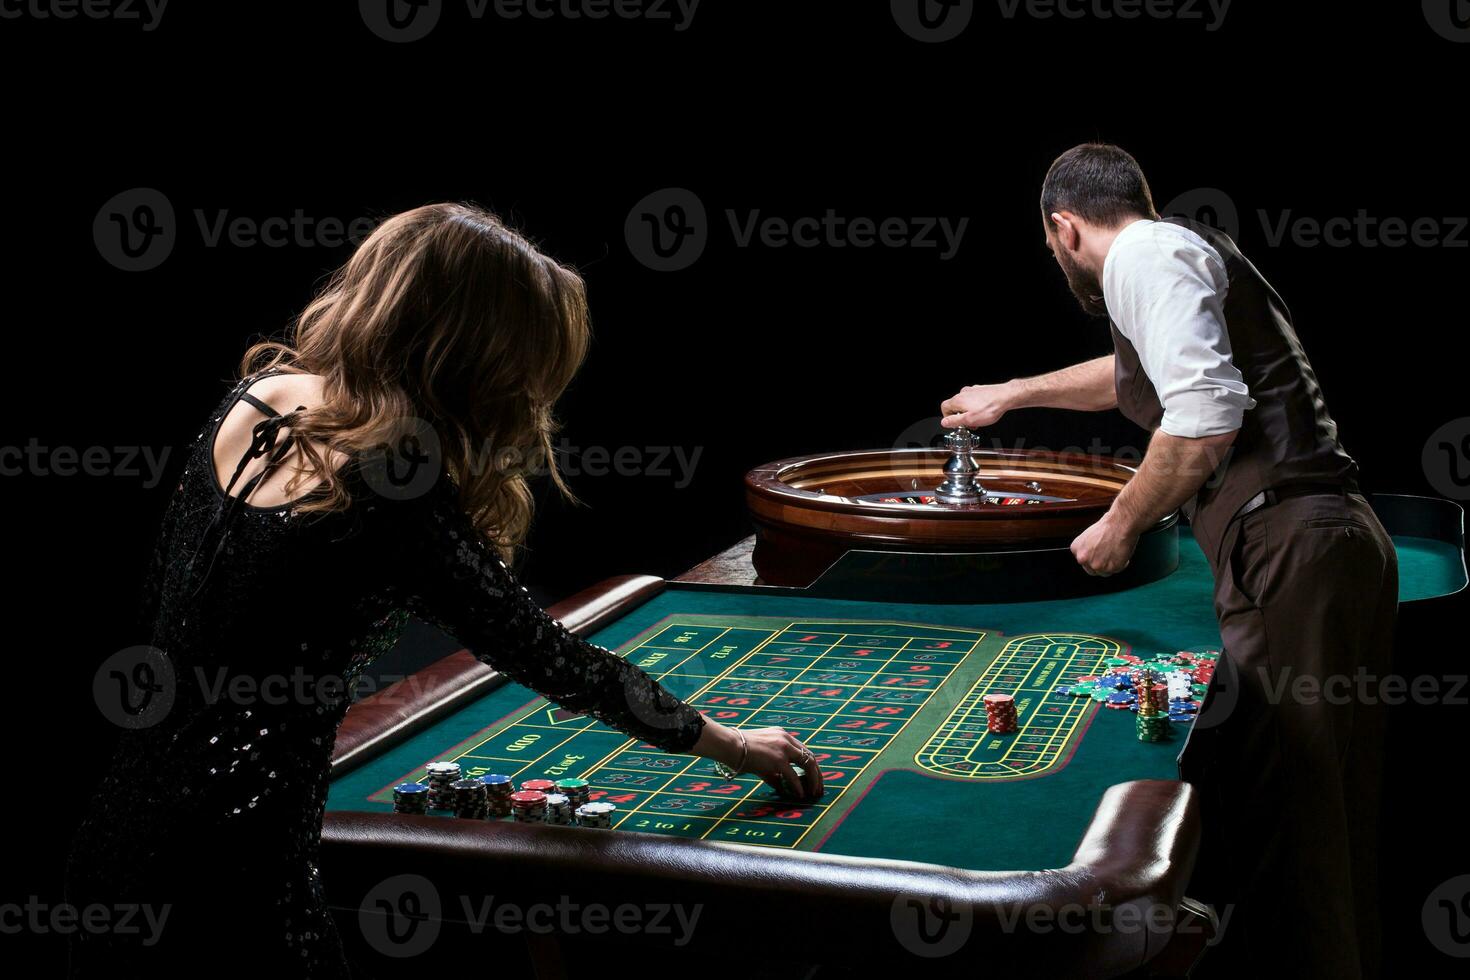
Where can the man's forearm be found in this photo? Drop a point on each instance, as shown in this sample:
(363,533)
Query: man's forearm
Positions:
(1171,473)
(1085,387)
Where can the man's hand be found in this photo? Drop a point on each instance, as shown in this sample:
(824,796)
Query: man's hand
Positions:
(1106,548)
(977,406)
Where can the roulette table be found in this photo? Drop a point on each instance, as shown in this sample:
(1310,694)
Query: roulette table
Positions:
(1063,844)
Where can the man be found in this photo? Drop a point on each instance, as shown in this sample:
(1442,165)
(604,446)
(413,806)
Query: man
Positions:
(1205,357)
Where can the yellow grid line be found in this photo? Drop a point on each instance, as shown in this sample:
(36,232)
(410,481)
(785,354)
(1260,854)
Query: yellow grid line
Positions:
(574,730)
(637,807)
(964,712)
(975,638)
(974,645)
(787,685)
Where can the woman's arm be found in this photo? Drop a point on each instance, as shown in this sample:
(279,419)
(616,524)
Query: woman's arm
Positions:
(455,580)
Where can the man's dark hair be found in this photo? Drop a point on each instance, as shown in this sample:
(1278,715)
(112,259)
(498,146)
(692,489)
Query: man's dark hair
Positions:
(1098,182)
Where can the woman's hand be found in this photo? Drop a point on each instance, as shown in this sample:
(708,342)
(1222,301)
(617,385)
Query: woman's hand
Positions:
(768,752)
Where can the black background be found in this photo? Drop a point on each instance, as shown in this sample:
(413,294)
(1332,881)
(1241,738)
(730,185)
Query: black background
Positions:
(751,354)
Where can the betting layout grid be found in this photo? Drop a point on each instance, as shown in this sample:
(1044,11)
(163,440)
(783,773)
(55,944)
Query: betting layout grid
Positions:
(1024,679)
(846,694)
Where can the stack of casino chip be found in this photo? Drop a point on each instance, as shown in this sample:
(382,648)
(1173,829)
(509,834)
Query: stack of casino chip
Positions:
(558,810)
(1080,687)
(498,790)
(1180,682)
(1143,685)
(1203,671)
(1153,723)
(410,798)
(1000,713)
(441,776)
(470,799)
(1117,689)
(528,806)
(597,816)
(1121,685)
(1183,711)
(1149,690)
(538,786)
(1199,667)
(1153,728)
(578,791)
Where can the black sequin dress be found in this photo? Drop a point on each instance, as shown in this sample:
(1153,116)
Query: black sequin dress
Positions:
(264,617)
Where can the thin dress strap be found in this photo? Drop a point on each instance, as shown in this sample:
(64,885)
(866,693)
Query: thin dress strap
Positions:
(263,442)
(246,396)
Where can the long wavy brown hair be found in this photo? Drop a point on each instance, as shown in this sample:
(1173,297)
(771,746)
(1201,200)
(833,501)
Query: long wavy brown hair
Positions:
(445,317)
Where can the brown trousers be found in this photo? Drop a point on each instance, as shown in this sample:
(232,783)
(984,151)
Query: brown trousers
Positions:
(1287,752)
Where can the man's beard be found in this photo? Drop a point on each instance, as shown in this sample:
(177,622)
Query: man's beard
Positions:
(1084,286)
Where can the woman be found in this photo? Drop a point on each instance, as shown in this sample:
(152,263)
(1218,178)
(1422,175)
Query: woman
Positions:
(296,548)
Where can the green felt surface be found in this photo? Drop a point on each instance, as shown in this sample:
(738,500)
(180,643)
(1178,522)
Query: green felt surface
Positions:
(889,805)
(1428,568)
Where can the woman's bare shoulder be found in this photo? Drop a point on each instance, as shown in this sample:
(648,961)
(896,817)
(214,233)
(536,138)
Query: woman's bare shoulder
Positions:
(282,392)
(285,392)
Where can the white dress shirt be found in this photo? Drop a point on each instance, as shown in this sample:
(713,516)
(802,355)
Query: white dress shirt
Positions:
(1165,288)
